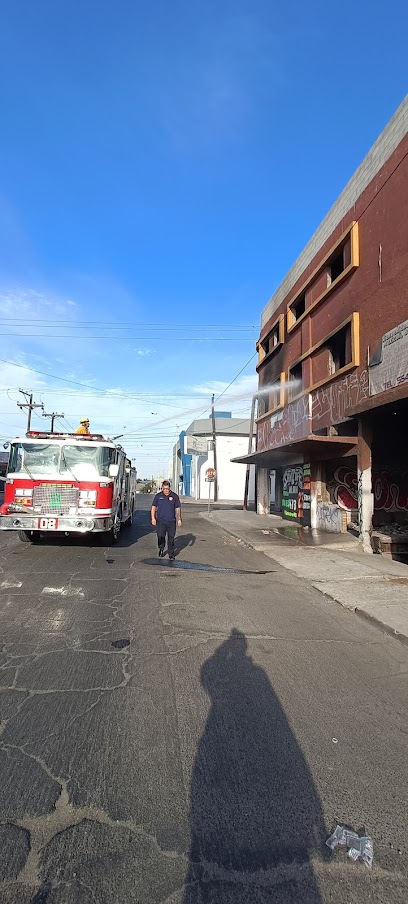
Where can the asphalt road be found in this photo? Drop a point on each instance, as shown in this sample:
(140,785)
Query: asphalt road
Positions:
(192,736)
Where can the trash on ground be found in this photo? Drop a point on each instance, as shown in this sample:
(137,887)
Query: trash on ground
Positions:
(358,846)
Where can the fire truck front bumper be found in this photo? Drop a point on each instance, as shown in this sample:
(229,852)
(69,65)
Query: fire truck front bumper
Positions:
(79,524)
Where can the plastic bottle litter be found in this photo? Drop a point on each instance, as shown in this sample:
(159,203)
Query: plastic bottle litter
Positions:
(358,846)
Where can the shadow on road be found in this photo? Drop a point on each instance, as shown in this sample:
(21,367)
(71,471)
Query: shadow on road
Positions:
(184,540)
(256,818)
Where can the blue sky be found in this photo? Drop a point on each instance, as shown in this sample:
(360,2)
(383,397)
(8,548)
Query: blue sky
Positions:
(161,167)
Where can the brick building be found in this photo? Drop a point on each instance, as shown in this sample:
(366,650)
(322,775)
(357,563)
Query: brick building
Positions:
(333,360)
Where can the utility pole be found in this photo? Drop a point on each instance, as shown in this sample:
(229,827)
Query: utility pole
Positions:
(215,449)
(29,404)
(53,415)
(250,441)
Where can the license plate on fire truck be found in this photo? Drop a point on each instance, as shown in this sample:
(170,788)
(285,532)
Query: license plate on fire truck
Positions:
(47,524)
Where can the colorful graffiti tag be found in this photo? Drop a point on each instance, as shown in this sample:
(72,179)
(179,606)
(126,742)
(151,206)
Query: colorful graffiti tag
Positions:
(296,494)
(390,490)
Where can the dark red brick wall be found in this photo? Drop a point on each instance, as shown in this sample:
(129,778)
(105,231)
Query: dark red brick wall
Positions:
(382,214)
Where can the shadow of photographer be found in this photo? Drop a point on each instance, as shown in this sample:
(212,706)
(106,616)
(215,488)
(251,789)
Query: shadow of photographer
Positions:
(255,815)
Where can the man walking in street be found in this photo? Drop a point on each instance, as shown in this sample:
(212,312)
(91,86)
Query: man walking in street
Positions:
(165,516)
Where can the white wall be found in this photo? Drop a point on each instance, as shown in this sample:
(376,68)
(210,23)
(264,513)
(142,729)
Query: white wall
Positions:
(231,477)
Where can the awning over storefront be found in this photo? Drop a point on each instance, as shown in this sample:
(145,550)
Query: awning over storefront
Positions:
(311,448)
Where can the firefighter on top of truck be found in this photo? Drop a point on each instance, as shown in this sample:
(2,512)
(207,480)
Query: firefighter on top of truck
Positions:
(83,426)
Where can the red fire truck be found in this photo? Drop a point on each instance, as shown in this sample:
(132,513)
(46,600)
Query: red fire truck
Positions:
(67,483)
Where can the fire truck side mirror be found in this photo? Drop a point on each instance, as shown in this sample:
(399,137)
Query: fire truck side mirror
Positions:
(113,470)
(6,445)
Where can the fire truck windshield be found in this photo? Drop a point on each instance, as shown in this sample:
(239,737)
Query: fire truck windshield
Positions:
(86,463)
(33,458)
(46,459)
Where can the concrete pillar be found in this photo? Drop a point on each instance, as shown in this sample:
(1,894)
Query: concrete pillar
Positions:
(278,489)
(315,491)
(364,482)
(263,491)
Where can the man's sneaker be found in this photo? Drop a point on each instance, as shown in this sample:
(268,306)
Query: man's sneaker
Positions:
(172,558)
(161,553)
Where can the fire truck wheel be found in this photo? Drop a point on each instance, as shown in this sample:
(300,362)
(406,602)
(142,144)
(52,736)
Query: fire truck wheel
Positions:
(28,536)
(109,537)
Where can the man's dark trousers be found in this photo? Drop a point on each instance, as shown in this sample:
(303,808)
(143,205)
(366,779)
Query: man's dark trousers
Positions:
(169,528)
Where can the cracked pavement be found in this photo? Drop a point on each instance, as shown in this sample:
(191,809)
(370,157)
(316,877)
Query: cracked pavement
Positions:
(207,756)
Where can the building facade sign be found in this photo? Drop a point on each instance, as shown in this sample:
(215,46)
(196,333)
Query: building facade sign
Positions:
(392,368)
(195,445)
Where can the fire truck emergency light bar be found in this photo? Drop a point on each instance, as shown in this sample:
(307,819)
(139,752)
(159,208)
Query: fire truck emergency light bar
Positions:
(79,436)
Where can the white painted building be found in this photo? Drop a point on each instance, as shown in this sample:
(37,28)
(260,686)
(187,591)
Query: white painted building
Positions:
(193,454)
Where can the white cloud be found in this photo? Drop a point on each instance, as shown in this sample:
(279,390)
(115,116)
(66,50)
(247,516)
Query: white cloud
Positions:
(27,304)
(144,352)
(242,388)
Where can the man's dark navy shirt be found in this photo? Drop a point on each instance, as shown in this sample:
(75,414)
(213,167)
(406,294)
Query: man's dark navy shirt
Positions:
(166,506)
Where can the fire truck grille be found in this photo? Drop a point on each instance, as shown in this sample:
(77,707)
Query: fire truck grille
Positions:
(54,499)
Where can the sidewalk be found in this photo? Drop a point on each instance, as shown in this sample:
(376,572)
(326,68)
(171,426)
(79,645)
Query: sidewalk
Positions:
(373,586)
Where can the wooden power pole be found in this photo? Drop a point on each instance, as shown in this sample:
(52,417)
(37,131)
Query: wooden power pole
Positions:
(53,415)
(250,440)
(30,405)
(214,436)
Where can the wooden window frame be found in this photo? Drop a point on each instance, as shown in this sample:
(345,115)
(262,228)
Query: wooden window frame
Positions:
(354,320)
(280,323)
(281,403)
(352,233)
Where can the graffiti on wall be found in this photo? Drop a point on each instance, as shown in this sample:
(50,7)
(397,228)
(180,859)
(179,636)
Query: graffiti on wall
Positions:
(296,494)
(335,401)
(331,403)
(390,489)
(329,517)
(289,425)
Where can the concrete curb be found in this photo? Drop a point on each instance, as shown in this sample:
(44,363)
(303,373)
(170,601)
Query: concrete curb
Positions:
(362,613)
(403,638)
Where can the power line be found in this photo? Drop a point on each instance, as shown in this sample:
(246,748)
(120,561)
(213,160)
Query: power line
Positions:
(125,324)
(238,375)
(134,338)
(65,380)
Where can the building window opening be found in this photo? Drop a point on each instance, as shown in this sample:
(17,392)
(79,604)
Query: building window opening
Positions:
(336,266)
(262,404)
(295,380)
(298,308)
(339,349)
(272,340)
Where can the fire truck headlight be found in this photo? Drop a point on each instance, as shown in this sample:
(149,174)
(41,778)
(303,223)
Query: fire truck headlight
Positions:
(87,497)
(23,496)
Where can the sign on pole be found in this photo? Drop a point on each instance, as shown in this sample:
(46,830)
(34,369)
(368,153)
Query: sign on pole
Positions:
(209,478)
(195,445)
